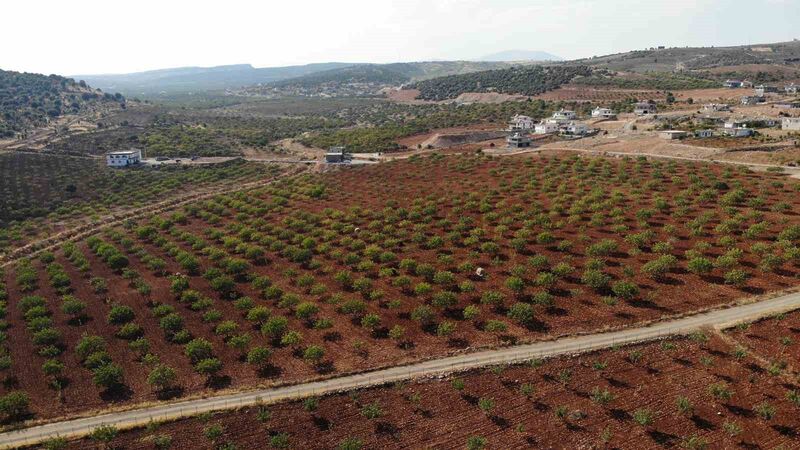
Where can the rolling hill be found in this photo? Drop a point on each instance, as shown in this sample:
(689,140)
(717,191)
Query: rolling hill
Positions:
(195,79)
(29,100)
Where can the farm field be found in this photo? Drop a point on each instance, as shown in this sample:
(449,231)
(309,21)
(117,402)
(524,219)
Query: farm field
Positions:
(697,392)
(338,272)
(42,193)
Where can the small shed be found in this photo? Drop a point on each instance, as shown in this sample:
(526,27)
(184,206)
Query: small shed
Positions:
(672,134)
(337,155)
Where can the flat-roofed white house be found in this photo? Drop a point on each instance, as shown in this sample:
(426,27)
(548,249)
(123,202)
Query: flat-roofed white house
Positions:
(716,107)
(546,127)
(791,123)
(761,90)
(520,122)
(603,113)
(791,89)
(564,115)
(123,158)
(645,108)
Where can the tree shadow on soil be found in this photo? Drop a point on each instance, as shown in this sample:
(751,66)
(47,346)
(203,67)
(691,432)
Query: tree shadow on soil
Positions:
(333,336)
(116,394)
(785,431)
(647,304)
(753,290)
(617,383)
(457,343)
(702,423)
(662,438)
(325,368)
(270,371)
(618,414)
(321,423)
(219,382)
(501,422)
(386,429)
(739,411)
(170,394)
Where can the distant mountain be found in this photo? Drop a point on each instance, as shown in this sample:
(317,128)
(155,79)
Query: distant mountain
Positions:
(521,55)
(195,79)
(366,79)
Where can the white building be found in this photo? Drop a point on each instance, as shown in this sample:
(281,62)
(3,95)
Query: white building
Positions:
(603,113)
(704,133)
(548,126)
(518,140)
(752,100)
(564,115)
(577,128)
(520,122)
(716,107)
(791,89)
(123,158)
(731,124)
(737,132)
(791,123)
(761,90)
(732,84)
(645,108)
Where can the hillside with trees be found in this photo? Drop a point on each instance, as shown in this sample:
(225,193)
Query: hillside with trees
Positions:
(526,80)
(30,100)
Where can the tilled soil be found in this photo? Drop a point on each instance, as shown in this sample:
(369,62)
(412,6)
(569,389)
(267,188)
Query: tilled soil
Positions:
(623,398)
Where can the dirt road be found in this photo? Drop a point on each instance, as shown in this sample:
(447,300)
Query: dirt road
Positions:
(720,318)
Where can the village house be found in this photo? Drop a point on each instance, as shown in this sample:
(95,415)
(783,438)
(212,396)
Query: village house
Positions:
(520,122)
(791,89)
(715,107)
(672,134)
(123,158)
(704,133)
(645,108)
(761,90)
(737,132)
(791,123)
(735,124)
(732,84)
(518,140)
(564,115)
(576,128)
(752,100)
(546,127)
(603,113)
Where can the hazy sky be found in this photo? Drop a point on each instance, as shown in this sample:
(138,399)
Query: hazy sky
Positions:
(115,36)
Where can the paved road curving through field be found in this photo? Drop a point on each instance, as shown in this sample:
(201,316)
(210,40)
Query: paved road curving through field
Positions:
(720,318)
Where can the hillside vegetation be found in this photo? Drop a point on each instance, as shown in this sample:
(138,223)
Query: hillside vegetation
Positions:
(29,100)
(658,81)
(526,80)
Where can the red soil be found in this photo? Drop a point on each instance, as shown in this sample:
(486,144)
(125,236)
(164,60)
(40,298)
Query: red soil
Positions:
(444,182)
(433,414)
